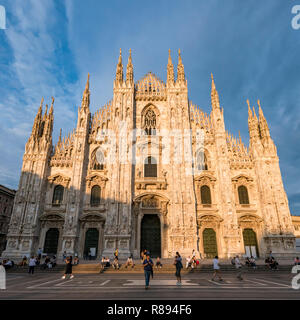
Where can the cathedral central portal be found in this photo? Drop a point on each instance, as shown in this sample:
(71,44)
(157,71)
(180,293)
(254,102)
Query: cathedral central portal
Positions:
(151,234)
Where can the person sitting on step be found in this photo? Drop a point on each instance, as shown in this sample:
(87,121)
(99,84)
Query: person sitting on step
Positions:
(129,262)
(116,263)
(158,263)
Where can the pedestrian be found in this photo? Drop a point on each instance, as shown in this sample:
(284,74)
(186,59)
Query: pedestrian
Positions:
(216,268)
(179,266)
(238,267)
(68,270)
(148,269)
(32,264)
(296,261)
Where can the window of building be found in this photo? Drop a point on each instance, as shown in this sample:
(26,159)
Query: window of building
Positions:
(58,195)
(201,161)
(243,195)
(95,196)
(150,123)
(150,167)
(205,195)
(98,160)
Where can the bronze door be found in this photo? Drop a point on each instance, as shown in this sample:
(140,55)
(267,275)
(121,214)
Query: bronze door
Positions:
(51,241)
(91,241)
(210,243)
(250,242)
(150,235)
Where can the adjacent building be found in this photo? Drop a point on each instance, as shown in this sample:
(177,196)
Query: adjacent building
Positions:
(6,206)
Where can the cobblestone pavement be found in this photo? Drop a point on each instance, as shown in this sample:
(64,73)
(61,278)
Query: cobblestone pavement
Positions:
(260,285)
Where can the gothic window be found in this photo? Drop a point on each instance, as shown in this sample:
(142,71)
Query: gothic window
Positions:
(205,195)
(201,161)
(150,167)
(97,160)
(58,195)
(150,122)
(95,196)
(243,195)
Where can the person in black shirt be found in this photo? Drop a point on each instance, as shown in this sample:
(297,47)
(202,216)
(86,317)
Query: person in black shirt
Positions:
(148,264)
(68,268)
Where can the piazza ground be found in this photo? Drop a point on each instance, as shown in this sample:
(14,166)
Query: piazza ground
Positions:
(50,286)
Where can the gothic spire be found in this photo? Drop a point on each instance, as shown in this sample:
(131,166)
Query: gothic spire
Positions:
(119,71)
(180,69)
(37,120)
(51,108)
(215,103)
(86,95)
(250,116)
(252,123)
(170,70)
(263,125)
(129,71)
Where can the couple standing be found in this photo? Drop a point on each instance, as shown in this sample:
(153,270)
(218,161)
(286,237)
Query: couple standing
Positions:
(148,269)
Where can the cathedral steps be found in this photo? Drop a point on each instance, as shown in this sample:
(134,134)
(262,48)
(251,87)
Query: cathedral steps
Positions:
(87,268)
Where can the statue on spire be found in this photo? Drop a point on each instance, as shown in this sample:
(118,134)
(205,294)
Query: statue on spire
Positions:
(170,70)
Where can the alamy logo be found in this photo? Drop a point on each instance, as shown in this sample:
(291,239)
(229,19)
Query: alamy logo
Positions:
(296,20)
(2,18)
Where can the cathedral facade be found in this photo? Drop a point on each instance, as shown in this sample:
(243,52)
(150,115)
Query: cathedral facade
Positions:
(150,170)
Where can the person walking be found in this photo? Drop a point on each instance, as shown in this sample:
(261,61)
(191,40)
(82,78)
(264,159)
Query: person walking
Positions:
(216,268)
(68,270)
(238,267)
(179,266)
(32,264)
(148,269)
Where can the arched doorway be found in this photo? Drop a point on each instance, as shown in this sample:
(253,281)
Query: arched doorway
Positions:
(51,241)
(210,243)
(150,234)
(91,243)
(250,243)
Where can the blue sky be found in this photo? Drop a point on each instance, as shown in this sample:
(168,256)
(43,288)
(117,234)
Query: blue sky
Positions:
(49,47)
